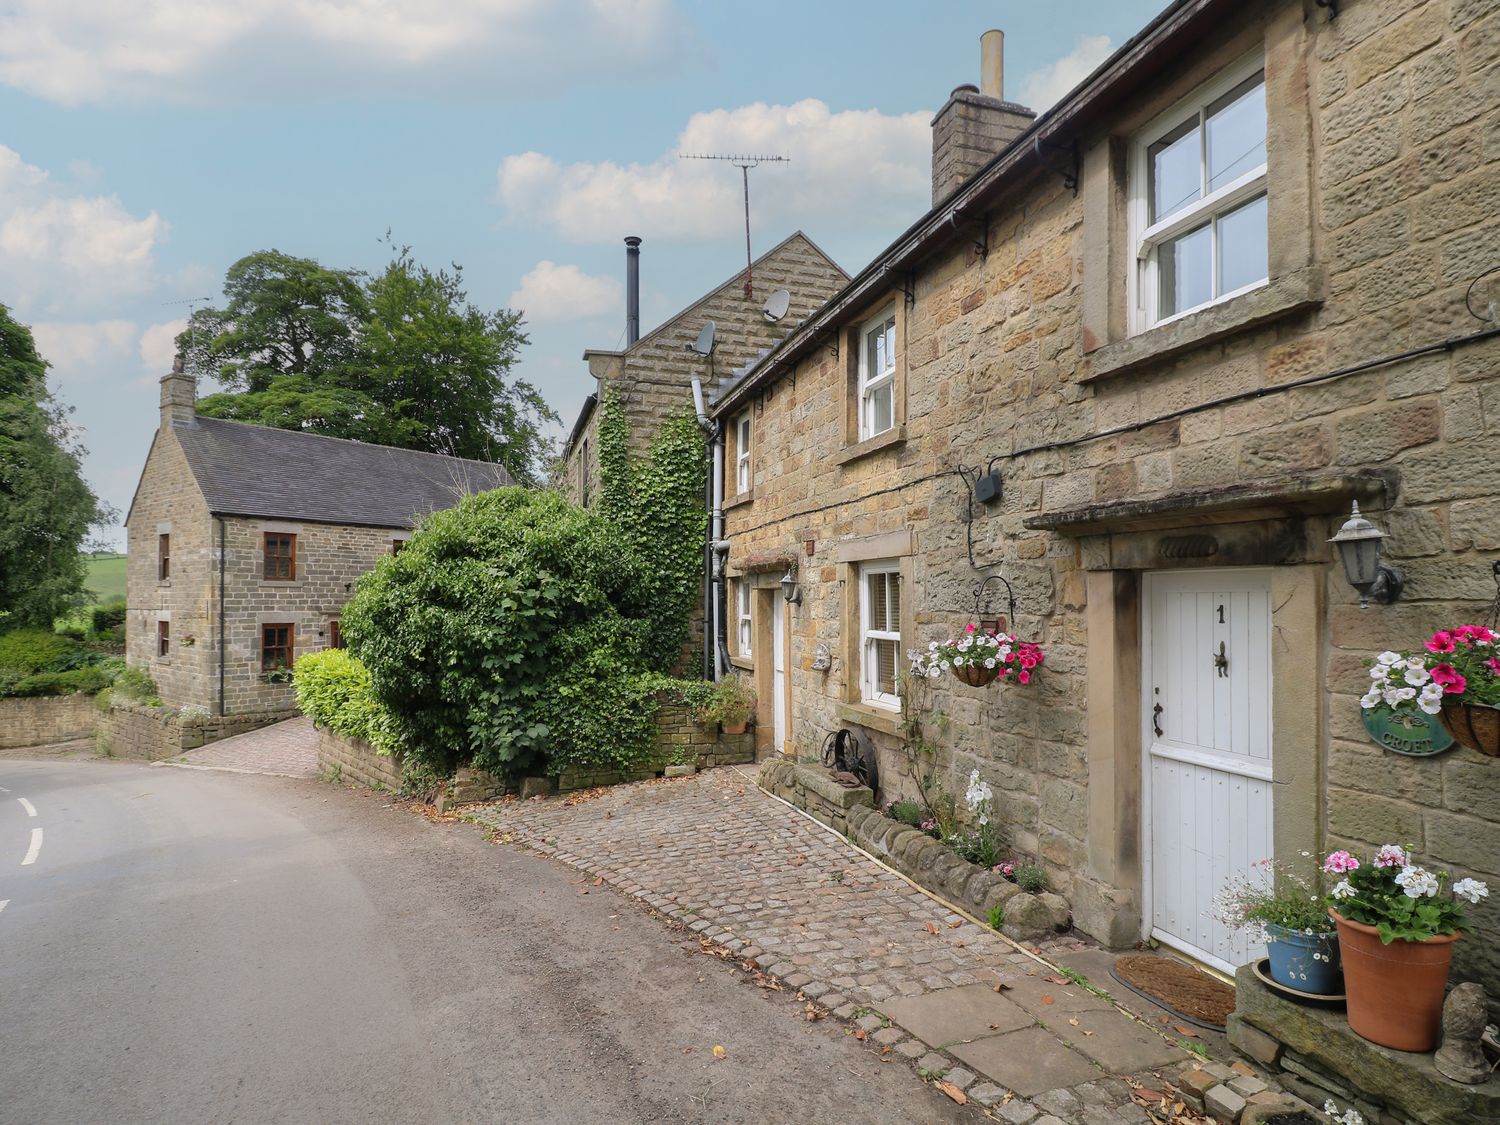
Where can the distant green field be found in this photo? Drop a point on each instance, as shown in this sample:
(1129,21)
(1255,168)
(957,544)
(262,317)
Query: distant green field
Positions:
(106,578)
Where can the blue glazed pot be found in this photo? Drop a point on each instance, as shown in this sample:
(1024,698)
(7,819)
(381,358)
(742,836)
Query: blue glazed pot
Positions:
(1306,962)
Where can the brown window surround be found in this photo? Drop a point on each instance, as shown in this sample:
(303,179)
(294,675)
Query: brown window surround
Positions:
(276,647)
(852,343)
(163,638)
(163,557)
(280,556)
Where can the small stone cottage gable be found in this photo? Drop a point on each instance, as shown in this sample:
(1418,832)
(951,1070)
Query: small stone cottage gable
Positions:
(244,543)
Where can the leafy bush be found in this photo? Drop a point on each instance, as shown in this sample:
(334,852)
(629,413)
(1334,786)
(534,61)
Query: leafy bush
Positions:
(907,811)
(512,631)
(73,682)
(333,687)
(984,845)
(730,703)
(107,617)
(36,650)
(136,685)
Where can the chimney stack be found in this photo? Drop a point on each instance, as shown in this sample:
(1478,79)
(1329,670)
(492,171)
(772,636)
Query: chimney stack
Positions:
(632,289)
(976,124)
(179,396)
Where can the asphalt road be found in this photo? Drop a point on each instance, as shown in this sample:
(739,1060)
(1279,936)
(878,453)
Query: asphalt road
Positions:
(186,946)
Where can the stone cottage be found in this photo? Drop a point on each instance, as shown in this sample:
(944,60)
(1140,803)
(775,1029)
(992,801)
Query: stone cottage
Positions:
(244,543)
(1138,360)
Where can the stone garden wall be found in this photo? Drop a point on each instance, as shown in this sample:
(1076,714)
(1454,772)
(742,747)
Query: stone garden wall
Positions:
(914,853)
(134,730)
(679,735)
(42,719)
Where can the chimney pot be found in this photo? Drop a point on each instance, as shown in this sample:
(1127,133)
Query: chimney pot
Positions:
(179,396)
(632,289)
(992,63)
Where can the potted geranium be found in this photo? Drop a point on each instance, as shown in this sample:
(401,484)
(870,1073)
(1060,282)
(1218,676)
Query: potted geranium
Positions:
(1277,906)
(1396,933)
(979,657)
(1457,679)
(730,705)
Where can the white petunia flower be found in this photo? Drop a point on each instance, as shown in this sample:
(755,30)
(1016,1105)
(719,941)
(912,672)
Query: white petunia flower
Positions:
(1343,889)
(1416,675)
(1380,672)
(1388,657)
(1371,698)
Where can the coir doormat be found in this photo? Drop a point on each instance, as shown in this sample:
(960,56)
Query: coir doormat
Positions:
(1186,991)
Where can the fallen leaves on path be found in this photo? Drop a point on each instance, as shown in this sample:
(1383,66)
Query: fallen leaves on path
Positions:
(1053,978)
(719,1051)
(1189,1032)
(932,928)
(953,1092)
(1047,999)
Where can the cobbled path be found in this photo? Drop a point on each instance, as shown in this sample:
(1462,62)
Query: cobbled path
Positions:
(288,749)
(747,872)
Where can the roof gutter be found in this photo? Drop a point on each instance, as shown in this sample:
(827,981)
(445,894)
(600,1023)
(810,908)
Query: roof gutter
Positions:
(942,223)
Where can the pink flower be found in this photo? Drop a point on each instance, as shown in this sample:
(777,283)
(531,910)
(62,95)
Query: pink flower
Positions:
(1390,855)
(969,628)
(1473,633)
(1452,680)
(1023,677)
(1028,661)
(1493,664)
(1441,642)
(1340,862)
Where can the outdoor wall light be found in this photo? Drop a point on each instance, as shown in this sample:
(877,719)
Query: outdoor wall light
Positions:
(790,592)
(1359,544)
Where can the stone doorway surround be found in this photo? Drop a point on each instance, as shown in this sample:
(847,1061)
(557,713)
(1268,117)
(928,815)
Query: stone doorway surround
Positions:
(1281,524)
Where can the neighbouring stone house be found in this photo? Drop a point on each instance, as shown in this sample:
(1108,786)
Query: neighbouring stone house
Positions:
(244,544)
(1186,317)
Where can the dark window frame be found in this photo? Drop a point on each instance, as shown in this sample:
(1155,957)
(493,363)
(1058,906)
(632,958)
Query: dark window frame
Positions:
(272,563)
(268,661)
(163,639)
(163,556)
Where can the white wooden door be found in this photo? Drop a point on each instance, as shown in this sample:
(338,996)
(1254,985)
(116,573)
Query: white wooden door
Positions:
(778,671)
(1207,731)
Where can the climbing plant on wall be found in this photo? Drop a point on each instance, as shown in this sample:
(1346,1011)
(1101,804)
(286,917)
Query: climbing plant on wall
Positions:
(657,502)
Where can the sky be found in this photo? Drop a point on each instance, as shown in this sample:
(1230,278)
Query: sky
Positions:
(146,146)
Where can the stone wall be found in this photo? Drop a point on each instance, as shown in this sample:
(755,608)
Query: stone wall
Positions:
(354,759)
(133,730)
(1383,150)
(679,735)
(915,854)
(39,720)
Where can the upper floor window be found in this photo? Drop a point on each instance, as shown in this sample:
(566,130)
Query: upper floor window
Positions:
(163,557)
(743,633)
(396,545)
(583,474)
(880,632)
(742,453)
(877,376)
(1198,199)
(280,556)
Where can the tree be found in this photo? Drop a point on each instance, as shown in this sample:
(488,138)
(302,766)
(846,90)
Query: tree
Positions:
(46,509)
(402,358)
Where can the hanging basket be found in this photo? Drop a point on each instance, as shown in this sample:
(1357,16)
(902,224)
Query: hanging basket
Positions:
(1473,725)
(976,675)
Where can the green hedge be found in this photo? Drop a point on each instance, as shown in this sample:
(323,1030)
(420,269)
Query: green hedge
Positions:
(36,650)
(334,688)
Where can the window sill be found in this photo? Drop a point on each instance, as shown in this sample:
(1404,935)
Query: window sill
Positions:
(893,437)
(871,717)
(1283,297)
(738,499)
(745,662)
(163,583)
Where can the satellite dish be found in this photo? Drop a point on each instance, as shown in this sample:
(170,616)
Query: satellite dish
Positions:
(776,305)
(704,344)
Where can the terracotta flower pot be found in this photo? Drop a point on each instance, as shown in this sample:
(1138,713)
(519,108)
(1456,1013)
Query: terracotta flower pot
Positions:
(976,675)
(1473,725)
(735,728)
(1395,991)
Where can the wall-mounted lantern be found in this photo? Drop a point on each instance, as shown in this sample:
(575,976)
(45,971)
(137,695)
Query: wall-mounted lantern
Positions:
(790,592)
(1359,544)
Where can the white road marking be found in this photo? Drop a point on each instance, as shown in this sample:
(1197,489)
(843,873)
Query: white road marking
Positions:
(36,846)
(4,790)
(28,806)
(4,902)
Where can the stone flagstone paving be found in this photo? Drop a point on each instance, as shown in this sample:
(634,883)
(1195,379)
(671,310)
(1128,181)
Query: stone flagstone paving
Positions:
(286,749)
(747,872)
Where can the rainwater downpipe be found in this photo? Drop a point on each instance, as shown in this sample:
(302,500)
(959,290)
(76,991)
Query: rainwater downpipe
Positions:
(716,547)
(221,616)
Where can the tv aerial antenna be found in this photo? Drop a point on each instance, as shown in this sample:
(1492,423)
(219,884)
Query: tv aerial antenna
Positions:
(192,303)
(744,163)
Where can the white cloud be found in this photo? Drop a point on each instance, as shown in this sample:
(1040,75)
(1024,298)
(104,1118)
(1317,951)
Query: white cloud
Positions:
(79,350)
(553,292)
(1041,88)
(75,51)
(61,251)
(158,347)
(856,164)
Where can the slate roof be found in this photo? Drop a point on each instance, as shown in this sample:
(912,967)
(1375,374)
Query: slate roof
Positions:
(246,470)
